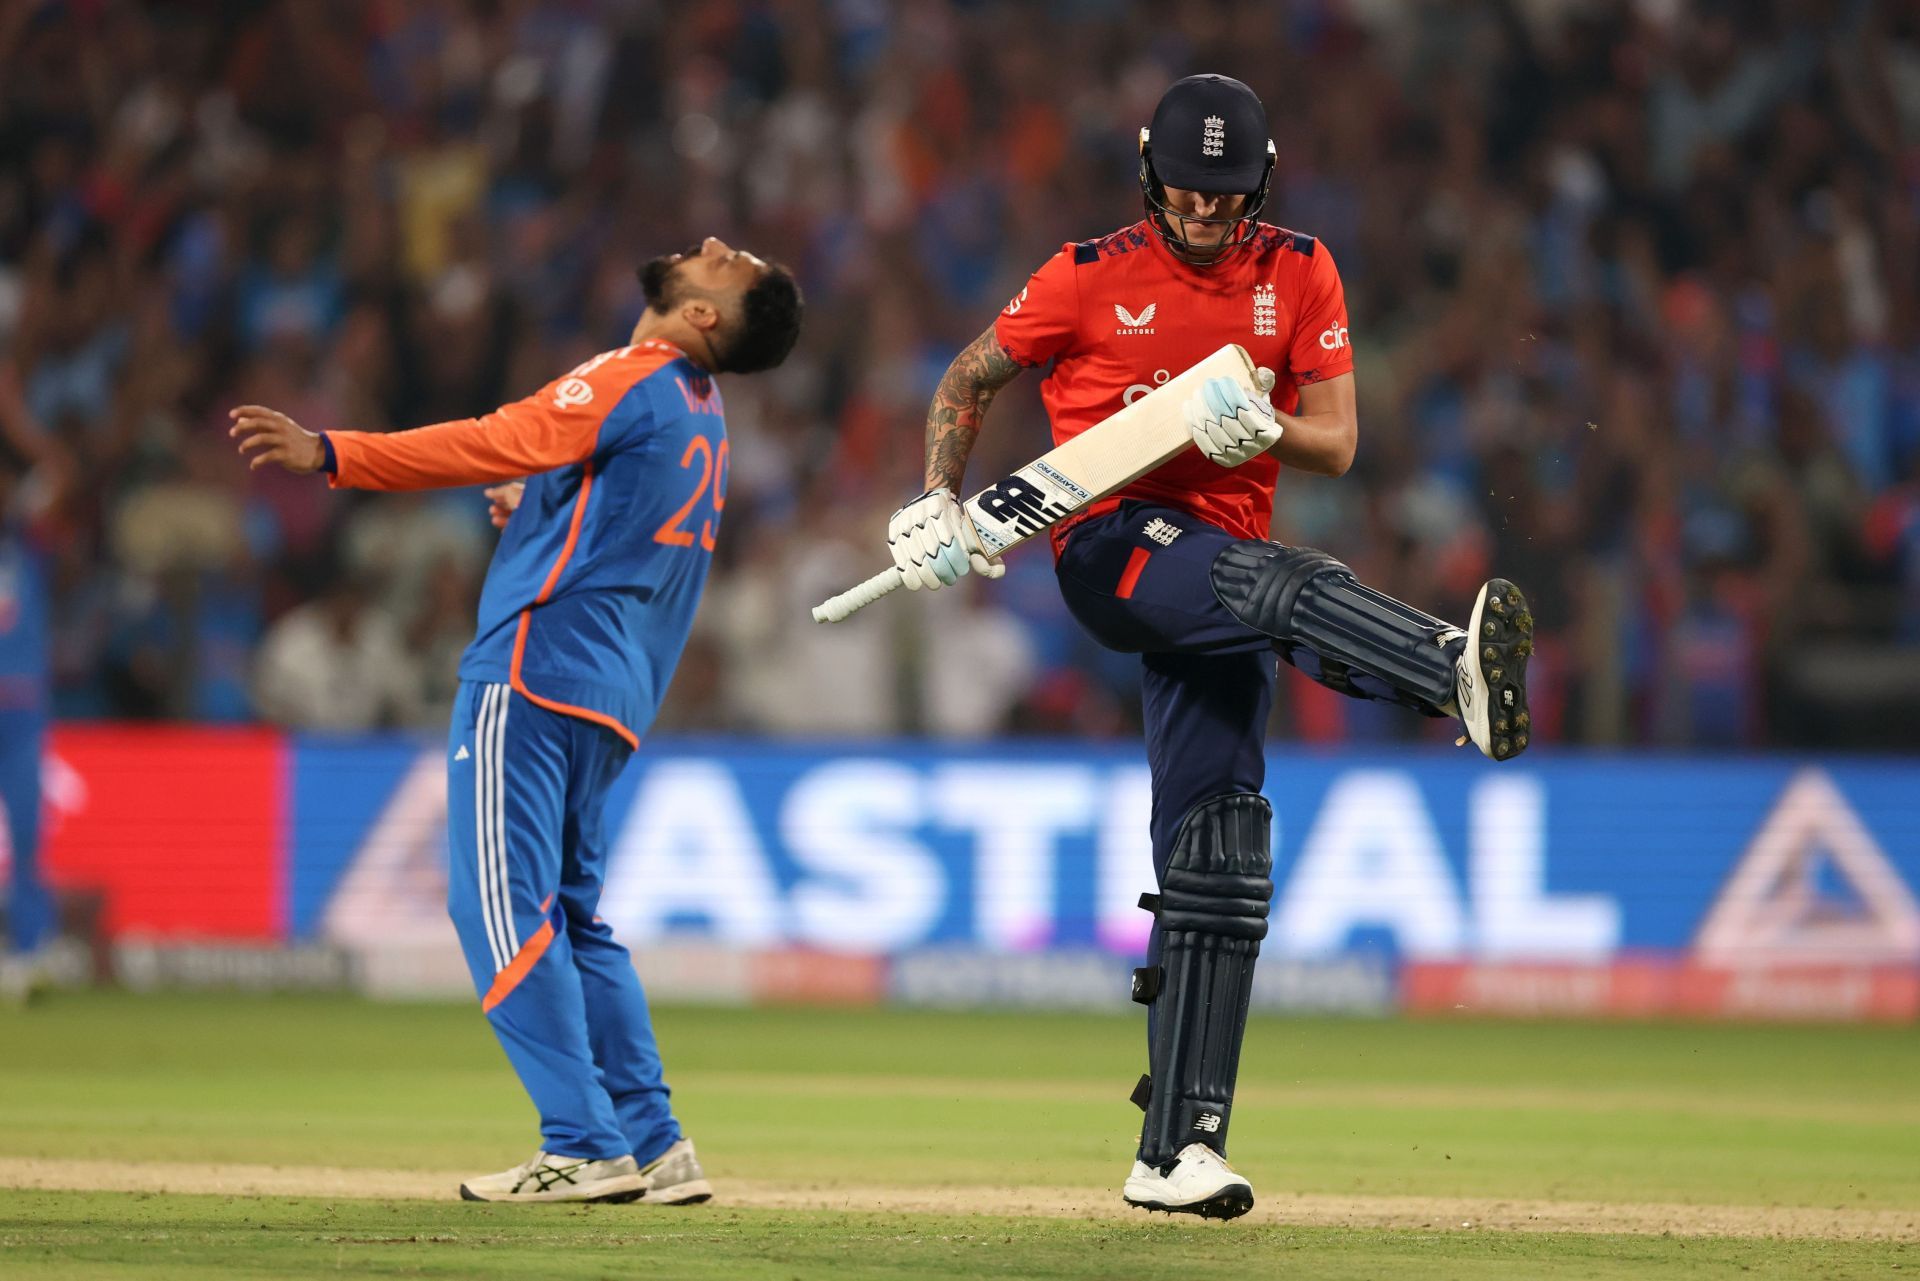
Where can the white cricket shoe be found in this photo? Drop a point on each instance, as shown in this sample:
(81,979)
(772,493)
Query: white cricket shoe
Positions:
(1198,1182)
(549,1177)
(1490,682)
(675,1177)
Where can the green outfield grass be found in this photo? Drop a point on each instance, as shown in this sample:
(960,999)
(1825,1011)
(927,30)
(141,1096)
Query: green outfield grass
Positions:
(1703,1115)
(46,1235)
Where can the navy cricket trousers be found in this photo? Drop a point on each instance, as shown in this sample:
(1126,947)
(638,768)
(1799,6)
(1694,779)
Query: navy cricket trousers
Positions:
(1139,579)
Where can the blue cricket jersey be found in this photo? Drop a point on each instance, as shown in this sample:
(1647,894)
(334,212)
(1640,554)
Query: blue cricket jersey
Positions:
(593,587)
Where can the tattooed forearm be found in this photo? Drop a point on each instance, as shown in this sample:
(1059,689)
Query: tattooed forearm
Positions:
(953,420)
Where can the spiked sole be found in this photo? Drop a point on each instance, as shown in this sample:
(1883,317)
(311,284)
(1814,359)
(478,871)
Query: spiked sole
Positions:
(1502,643)
(1229,1202)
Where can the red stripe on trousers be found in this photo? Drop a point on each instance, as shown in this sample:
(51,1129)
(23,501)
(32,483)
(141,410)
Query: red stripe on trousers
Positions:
(1135,563)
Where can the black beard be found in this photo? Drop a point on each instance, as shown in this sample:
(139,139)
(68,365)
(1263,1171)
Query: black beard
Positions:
(656,278)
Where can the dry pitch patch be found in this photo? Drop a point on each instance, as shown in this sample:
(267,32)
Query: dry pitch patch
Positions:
(1303,1210)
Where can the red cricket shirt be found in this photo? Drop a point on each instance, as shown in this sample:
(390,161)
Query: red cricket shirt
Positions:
(1119,315)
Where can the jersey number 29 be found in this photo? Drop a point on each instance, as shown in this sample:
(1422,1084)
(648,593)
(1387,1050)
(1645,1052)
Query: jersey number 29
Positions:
(713,475)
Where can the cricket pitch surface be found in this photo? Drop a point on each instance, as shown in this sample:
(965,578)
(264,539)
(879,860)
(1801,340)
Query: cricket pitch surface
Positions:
(294,1136)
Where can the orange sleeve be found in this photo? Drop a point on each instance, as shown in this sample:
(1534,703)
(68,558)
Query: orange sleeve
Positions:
(557,425)
(1044,318)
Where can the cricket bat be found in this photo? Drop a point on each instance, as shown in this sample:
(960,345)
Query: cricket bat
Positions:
(1107,456)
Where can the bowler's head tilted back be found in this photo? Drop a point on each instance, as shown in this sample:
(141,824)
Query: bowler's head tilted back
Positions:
(609,484)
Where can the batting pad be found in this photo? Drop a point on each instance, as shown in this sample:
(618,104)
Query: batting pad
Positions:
(1212,912)
(1306,598)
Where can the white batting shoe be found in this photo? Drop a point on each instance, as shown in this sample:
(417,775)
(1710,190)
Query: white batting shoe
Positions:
(1490,683)
(675,1177)
(1198,1182)
(549,1177)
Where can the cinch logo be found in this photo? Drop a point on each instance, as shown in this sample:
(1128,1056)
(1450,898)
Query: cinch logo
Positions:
(1132,324)
(1137,390)
(704,401)
(1209,1121)
(1334,336)
(1014,306)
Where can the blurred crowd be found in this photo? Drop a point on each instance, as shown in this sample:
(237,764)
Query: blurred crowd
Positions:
(1632,290)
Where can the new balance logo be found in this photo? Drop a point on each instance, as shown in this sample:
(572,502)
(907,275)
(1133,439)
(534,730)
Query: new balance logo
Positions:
(1209,1121)
(1132,324)
(1021,505)
(462,754)
(1161,532)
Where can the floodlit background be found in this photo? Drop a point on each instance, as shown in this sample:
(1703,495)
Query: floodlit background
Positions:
(1634,306)
(1635,301)
(1632,288)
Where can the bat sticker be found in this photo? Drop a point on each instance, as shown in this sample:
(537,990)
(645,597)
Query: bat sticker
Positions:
(1020,506)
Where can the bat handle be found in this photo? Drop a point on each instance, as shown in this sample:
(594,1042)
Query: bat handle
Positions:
(837,608)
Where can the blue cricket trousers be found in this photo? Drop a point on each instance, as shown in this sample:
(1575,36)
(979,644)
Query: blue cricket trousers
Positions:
(526,810)
(30,908)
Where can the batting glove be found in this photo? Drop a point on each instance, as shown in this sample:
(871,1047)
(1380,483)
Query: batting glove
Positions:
(1229,425)
(930,543)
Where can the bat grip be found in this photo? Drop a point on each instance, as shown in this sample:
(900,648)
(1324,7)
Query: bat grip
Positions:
(836,608)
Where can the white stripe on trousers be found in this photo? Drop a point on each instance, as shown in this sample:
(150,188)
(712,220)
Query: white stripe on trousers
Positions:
(482,819)
(502,885)
(490,828)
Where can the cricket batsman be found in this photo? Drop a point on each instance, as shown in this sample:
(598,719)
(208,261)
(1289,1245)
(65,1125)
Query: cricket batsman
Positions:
(583,616)
(1178,568)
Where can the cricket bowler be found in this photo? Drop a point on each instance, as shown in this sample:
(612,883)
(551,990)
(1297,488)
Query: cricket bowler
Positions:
(583,617)
(1178,568)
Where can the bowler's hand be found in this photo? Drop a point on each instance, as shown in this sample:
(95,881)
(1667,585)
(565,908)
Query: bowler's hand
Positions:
(505,500)
(272,437)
